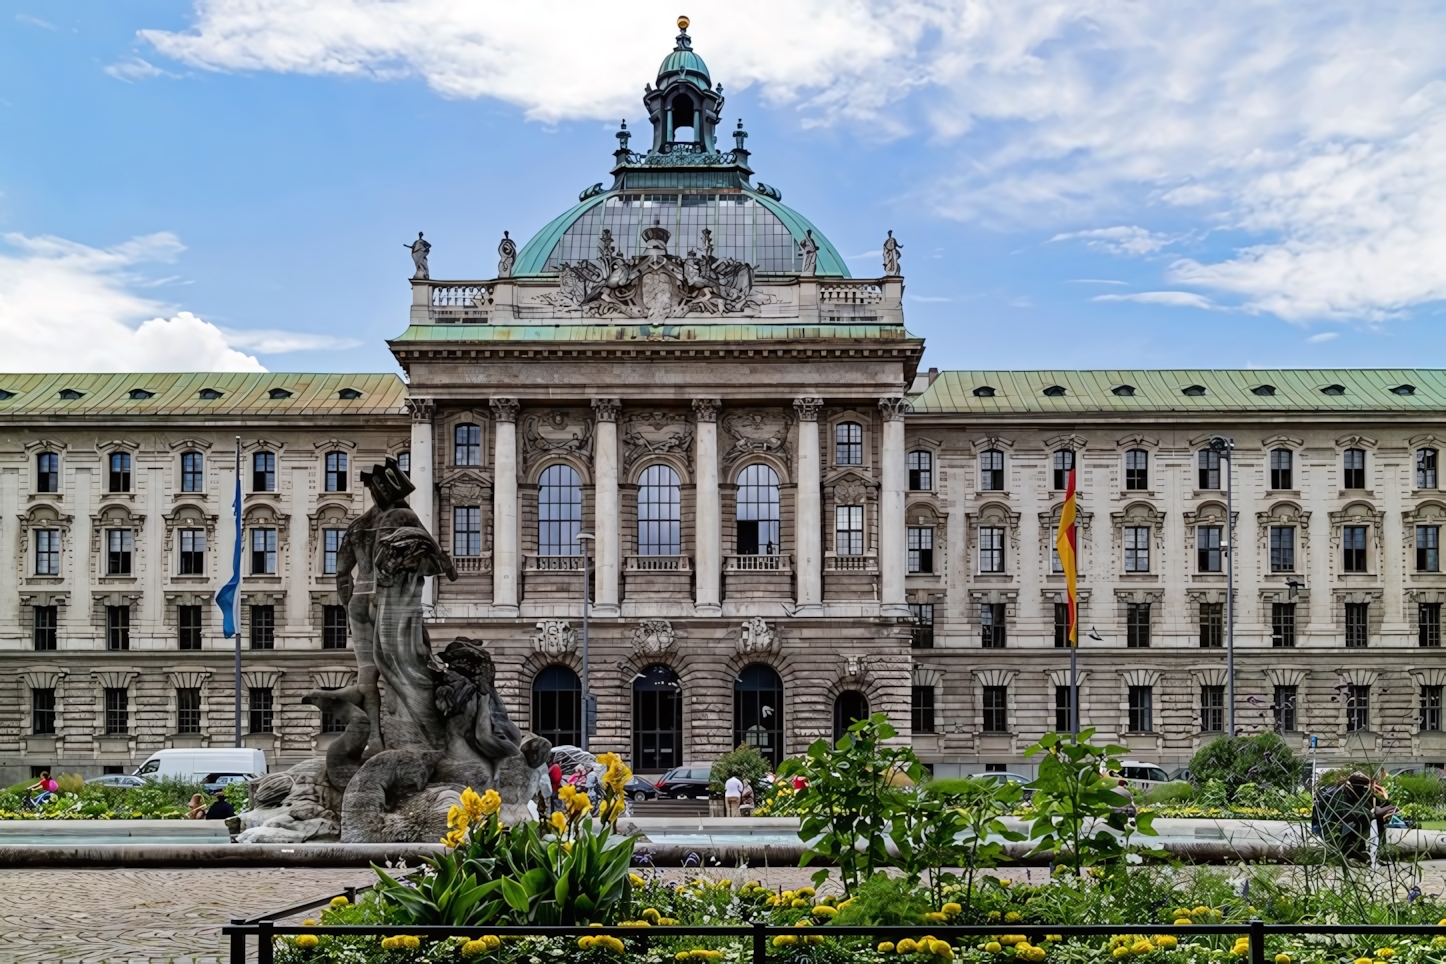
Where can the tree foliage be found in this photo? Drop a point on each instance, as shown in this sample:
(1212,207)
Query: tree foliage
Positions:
(1264,760)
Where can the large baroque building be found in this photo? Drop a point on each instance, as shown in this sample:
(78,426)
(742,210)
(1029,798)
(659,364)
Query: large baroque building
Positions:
(677,387)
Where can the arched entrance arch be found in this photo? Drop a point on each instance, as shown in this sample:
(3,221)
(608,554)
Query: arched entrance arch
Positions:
(657,719)
(758,711)
(850,707)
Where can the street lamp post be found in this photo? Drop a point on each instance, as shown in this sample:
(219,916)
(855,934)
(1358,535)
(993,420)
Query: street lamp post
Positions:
(585,540)
(1225,449)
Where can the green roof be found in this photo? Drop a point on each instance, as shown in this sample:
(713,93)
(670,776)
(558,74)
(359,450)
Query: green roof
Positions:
(687,64)
(660,334)
(1163,390)
(179,393)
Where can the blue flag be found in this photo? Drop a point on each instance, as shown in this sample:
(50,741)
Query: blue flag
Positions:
(226,598)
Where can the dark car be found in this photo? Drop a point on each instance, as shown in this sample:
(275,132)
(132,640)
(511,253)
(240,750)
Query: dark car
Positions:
(681,782)
(638,790)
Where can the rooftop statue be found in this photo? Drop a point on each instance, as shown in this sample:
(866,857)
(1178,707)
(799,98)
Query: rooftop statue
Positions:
(808,248)
(419,249)
(893,251)
(506,256)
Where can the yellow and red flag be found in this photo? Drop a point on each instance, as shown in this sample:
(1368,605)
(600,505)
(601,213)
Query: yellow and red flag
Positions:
(1065,545)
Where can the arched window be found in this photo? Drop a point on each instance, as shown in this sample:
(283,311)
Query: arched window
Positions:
(848,443)
(557,706)
(659,513)
(758,511)
(559,511)
(657,719)
(850,707)
(758,711)
(1137,469)
(193,472)
(467,447)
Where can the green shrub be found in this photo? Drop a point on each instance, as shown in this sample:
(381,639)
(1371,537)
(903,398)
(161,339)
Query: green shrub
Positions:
(884,901)
(70,782)
(1176,791)
(1264,760)
(747,764)
(1422,789)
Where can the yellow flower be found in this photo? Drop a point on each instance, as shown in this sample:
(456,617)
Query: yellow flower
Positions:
(681,956)
(886,947)
(636,881)
(824,912)
(993,947)
(941,949)
(952,908)
(805,892)
(559,826)
(1183,922)
(585,942)
(578,804)
(1009,940)
(474,948)
(1201,909)
(492,941)
(936,917)
(339,901)
(798,902)
(308,923)
(651,915)
(993,915)
(1142,947)
(1168,941)
(785,940)
(1013,917)
(1282,959)
(907,946)
(1182,912)
(411,942)
(1386,952)
(491,802)
(566,792)
(1120,952)
(1363,960)
(307,941)
(455,838)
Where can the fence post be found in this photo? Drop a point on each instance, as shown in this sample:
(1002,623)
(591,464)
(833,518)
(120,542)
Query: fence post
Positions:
(760,942)
(265,951)
(1257,941)
(238,943)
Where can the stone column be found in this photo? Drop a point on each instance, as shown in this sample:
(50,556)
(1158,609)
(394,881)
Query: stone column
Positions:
(422,410)
(891,508)
(708,554)
(808,536)
(605,488)
(504,508)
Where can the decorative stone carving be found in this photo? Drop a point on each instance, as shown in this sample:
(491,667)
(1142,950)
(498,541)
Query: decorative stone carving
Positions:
(551,433)
(504,409)
(808,250)
(419,249)
(758,432)
(706,409)
(807,408)
(652,637)
(850,492)
(554,637)
(506,256)
(606,409)
(894,409)
(855,664)
(657,433)
(893,251)
(756,638)
(421,409)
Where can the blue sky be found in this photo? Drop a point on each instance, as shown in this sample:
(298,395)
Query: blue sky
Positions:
(1094,183)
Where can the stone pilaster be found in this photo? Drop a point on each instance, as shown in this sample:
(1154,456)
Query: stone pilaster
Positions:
(609,537)
(709,550)
(892,558)
(808,537)
(505,578)
(421,410)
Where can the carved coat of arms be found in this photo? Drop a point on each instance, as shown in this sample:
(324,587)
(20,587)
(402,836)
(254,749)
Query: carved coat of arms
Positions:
(653,636)
(756,637)
(554,637)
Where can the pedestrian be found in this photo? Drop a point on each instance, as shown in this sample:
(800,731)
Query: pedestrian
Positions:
(733,796)
(197,809)
(745,803)
(221,809)
(46,787)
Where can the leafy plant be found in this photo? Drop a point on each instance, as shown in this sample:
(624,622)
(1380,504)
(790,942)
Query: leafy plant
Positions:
(956,823)
(1264,759)
(745,763)
(1176,791)
(884,901)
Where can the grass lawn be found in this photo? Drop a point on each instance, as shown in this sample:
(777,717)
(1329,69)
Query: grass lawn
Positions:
(1433,824)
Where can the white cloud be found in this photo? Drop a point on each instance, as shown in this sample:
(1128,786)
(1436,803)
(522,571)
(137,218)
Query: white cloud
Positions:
(1323,336)
(1095,281)
(1175,299)
(1119,240)
(269,341)
(135,69)
(928,298)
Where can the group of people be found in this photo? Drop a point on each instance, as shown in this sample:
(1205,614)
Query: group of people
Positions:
(218,809)
(1352,815)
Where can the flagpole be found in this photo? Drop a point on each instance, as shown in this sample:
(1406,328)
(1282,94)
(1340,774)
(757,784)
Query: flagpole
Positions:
(1067,546)
(235,600)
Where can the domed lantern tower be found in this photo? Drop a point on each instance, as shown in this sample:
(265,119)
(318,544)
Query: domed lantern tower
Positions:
(684,100)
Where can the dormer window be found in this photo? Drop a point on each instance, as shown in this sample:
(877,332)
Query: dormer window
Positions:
(348,394)
(4,394)
(1194,391)
(209,394)
(1333,390)
(1263,390)
(279,393)
(1124,390)
(1404,389)
(1055,391)
(70,394)
(984,391)
(140,393)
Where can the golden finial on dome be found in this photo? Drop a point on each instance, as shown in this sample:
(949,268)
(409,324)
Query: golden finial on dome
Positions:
(683,23)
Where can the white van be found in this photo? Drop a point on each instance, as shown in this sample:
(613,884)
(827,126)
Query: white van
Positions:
(198,763)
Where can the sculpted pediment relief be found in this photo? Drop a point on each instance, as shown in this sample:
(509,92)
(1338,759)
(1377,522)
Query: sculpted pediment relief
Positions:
(758,431)
(657,433)
(556,432)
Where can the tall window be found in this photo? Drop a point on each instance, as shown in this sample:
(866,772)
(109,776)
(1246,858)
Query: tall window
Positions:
(921,709)
(1353,469)
(848,443)
(1137,548)
(193,472)
(330,546)
(1357,625)
(1212,709)
(1428,624)
(1282,548)
(263,627)
(991,470)
(1061,625)
(921,548)
(44,625)
(119,544)
(188,627)
(1431,708)
(467,447)
(1353,548)
(117,627)
(991,548)
(117,711)
(333,627)
(263,552)
(1063,463)
(1428,548)
(1209,469)
(47,472)
(1207,548)
(47,552)
(336,472)
(466,530)
(559,511)
(996,709)
(120,472)
(1212,625)
(1284,707)
(1282,624)
(1142,709)
(848,530)
(193,552)
(921,471)
(923,632)
(1358,708)
(657,719)
(42,711)
(188,710)
(992,632)
(660,514)
(557,706)
(1137,625)
(261,709)
(404,463)
(263,472)
(757,511)
(1281,475)
(758,711)
(1062,706)
(850,707)
(1425,469)
(1137,469)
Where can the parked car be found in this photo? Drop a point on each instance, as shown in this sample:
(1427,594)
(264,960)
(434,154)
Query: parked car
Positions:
(216,782)
(638,790)
(193,764)
(1146,776)
(681,782)
(1181,773)
(122,781)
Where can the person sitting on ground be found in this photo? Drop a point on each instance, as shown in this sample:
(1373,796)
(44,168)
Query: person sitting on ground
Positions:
(1346,811)
(197,809)
(45,789)
(221,809)
(733,796)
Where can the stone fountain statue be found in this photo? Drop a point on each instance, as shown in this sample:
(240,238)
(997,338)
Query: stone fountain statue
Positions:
(420,726)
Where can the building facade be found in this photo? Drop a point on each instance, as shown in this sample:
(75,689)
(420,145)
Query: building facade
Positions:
(676,394)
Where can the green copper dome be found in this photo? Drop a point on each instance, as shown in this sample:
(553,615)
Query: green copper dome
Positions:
(684,65)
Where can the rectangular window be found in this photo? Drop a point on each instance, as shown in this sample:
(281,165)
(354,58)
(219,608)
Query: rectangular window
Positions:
(330,545)
(42,711)
(260,709)
(193,552)
(848,446)
(404,462)
(1061,625)
(331,723)
(991,549)
(1055,565)
(263,552)
(991,471)
(848,531)
(263,472)
(921,709)
(1281,475)
(1357,625)
(1137,548)
(1062,714)
(1207,548)
(1431,708)
(117,627)
(1137,469)
(1353,469)
(47,472)
(996,709)
(1209,469)
(1353,548)
(1425,469)
(1282,624)
(1428,624)
(333,627)
(921,549)
(1428,548)
(1284,707)
(923,633)
(1358,708)
(47,552)
(1282,548)
(1137,625)
(1142,709)
(467,445)
(193,472)
(263,627)
(117,711)
(118,546)
(921,471)
(336,472)
(1212,709)
(1212,625)
(45,622)
(188,710)
(120,472)
(188,625)
(466,530)
(991,625)
(1063,465)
